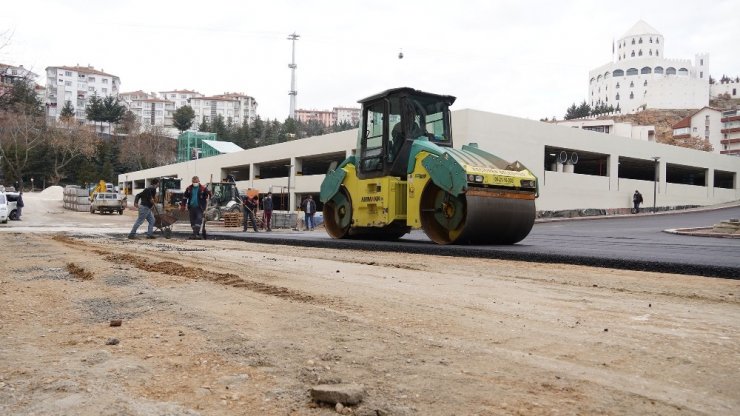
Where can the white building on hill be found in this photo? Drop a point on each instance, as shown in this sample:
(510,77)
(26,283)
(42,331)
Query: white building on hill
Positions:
(642,77)
(77,84)
(704,124)
(179,97)
(234,108)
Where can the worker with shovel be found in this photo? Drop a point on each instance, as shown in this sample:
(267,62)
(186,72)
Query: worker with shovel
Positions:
(196,200)
(250,204)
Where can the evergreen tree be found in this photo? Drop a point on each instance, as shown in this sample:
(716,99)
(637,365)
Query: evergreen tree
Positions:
(203,126)
(183,117)
(290,129)
(113,110)
(95,111)
(256,131)
(219,127)
(241,135)
(21,99)
(68,112)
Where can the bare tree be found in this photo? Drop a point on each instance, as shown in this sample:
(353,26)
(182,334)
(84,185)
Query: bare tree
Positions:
(68,142)
(20,135)
(148,149)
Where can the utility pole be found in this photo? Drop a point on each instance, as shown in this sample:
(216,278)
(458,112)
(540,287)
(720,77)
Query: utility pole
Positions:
(292,37)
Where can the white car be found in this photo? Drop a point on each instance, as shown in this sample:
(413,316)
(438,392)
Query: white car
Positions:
(3,208)
(12,198)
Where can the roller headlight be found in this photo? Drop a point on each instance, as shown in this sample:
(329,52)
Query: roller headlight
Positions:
(528,184)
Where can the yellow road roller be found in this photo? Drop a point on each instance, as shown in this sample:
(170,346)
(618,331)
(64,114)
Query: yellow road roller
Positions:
(405,174)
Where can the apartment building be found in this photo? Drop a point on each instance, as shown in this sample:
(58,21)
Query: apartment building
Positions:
(730,132)
(324,117)
(11,74)
(328,118)
(704,124)
(179,97)
(150,109)
(77,84)
(235,108)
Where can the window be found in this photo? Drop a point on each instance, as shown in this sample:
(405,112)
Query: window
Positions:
(617,85)
(651,40)
(617,97)
(640,53)
(67,83)
(618,73)
(105,90)
(632,95)
(683,71)
(657,53)
(632,71)
(105,80)
(68,73)
(646,70)
(632,84)
(651,52)
(183,96)
(91,79)
(701,62)
(633,41)
(640,41)
(701,74)
(371,144)
(670,71)
(644,84)
(658,70)
(633,54)
(91,89)
(173,95)
(657,40)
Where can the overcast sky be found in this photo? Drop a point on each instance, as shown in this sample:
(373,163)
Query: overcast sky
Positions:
(522,58)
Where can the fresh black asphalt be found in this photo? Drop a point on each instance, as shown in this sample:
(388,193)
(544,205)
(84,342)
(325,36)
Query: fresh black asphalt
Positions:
(623,242)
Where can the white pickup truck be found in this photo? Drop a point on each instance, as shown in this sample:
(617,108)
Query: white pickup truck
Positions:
(107,202)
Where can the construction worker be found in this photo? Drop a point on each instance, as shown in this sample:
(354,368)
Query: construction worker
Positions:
(250,204)
(196,200)
(144,202)
(267,210)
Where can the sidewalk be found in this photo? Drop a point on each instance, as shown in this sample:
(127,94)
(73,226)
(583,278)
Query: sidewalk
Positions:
(647,211)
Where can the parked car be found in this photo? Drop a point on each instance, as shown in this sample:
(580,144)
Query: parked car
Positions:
(3,208)
(107,202)
(12,198)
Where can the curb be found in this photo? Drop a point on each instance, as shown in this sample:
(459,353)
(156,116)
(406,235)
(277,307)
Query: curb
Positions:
(697,232)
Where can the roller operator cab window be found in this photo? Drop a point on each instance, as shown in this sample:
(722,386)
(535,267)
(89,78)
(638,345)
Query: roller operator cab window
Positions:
(372,140)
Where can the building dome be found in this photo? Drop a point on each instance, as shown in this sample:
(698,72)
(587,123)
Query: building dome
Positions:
(641,41)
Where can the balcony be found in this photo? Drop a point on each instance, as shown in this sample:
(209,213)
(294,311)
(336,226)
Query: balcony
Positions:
(730,130)
(731,118)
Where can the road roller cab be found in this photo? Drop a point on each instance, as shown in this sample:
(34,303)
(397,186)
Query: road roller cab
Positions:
(405,174)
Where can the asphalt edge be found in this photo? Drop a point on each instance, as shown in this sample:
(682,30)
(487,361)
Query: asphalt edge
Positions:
(724,272)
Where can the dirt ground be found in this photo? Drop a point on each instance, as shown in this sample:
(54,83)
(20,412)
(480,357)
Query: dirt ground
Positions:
(232,328)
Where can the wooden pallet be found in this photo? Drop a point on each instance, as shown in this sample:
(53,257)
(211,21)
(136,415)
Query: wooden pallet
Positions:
(233,219)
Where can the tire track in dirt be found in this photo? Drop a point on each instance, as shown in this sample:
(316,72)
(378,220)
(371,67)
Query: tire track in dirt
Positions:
(196,273)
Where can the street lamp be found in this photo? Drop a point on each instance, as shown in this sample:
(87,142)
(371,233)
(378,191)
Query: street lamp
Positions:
(31,184)
(655,182)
